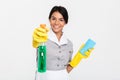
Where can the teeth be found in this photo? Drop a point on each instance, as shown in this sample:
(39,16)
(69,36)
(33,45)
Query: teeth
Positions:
(56,26)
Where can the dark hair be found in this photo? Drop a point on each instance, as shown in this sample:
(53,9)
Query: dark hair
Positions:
(61,10)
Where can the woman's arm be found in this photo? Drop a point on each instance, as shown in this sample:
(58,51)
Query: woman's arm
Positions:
(69,68)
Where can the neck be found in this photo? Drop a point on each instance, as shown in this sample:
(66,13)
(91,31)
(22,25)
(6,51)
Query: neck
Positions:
(59,35)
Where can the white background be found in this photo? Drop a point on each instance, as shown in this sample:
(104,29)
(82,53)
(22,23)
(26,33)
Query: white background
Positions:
(95,19)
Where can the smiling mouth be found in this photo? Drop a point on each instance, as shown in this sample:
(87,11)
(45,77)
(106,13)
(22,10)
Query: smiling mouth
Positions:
(56,27)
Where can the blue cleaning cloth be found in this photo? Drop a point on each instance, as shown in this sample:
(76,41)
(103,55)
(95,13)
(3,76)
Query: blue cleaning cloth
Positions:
(89,44)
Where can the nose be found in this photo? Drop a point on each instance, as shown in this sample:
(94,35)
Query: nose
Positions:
(57,22)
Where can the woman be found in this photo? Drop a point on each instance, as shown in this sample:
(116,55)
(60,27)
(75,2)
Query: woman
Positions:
(59,48)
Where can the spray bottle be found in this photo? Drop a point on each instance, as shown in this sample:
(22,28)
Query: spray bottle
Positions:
(42,55)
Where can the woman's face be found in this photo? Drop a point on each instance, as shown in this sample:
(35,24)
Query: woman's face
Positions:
(57,22)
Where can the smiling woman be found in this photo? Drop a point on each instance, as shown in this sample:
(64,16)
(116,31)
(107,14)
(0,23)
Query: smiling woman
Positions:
(59,48)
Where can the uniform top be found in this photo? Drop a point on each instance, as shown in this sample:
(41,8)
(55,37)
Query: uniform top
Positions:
(59,53)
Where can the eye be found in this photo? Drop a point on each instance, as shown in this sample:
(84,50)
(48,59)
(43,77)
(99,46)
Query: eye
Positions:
(53,18)
(61,19)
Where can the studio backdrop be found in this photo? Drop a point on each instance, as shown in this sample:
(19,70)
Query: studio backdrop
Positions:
(95,19)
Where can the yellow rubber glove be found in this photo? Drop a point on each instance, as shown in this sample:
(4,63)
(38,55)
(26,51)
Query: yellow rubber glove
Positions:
(40,35)
(78,57)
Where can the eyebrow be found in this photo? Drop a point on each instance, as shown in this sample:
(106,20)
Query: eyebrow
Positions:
(55,17)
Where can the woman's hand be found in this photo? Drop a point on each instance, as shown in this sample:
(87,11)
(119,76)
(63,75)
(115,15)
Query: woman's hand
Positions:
(69,68)
(40,35)
(78,57)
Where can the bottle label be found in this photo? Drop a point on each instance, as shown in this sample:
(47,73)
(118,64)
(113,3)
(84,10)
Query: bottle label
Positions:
(42,58)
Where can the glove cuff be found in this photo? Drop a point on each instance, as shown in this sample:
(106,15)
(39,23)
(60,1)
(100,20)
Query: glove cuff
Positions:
(76,60)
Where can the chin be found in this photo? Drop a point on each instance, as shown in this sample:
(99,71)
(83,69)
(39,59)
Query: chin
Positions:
(56,30)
